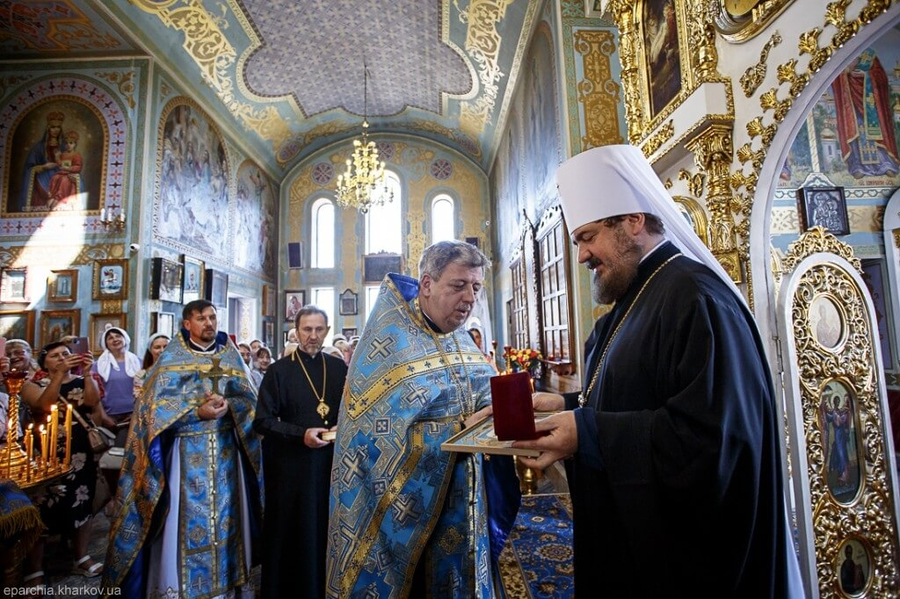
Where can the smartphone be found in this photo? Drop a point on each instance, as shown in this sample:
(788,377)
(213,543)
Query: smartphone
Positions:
(79,346)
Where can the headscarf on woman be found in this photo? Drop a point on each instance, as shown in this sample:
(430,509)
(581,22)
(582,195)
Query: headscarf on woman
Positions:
(108,361)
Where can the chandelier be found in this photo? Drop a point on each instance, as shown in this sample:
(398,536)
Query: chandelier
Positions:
(362,185)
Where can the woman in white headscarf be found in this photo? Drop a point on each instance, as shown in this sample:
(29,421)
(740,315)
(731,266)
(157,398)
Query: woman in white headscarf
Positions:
(116,368)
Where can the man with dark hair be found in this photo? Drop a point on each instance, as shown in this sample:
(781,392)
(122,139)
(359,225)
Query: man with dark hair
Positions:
(299,400)
(409,519)
(674,438)
(190,486)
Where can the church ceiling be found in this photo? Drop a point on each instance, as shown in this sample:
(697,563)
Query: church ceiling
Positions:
(289,73)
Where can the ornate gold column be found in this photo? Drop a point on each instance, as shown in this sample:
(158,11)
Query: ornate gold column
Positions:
(713,156)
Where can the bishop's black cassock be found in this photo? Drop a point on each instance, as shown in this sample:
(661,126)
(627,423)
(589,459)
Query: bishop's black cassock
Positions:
(296,477)
(680,493)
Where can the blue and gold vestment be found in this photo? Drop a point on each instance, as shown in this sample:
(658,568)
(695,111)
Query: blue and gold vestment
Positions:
(397,500)
(213,458)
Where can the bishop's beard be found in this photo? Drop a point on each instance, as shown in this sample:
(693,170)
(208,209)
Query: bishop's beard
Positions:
(619,274)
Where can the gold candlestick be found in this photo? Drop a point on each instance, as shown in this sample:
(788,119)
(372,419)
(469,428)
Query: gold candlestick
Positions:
(54,430)
(68,459)
(11,454)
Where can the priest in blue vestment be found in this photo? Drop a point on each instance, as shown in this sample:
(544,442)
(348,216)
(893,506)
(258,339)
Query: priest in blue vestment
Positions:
(407,519)
(190,492)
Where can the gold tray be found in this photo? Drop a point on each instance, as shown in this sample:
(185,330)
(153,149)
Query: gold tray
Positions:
(480,438)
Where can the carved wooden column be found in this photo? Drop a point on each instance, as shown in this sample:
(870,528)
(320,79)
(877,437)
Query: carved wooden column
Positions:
(713,156)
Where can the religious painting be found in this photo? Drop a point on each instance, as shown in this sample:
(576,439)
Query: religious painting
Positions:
(217,289)
(162,322)
(797,164)
(17,324)
(542,146)
(348,332)
(194,278)
(873,276)
(839,427)
(268,303)
(293,301)
(12,285)
(166,280)
(269,333)
(191,210)
(295,254)
(100,323)
(823,207)
(662,54)
(348,303)
(62,286)
(854,567)
(56,324)
(254,219)
(57,158)
(506,183)
(376,266)
(110,279)
(826,322)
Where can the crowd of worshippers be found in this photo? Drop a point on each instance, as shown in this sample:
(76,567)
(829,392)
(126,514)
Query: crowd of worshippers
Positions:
(325,466)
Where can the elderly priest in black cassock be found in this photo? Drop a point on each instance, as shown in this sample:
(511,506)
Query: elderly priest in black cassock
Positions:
(676,470)
(299,399)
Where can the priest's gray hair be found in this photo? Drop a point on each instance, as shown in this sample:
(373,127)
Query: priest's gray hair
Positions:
(306,311)
(438,256)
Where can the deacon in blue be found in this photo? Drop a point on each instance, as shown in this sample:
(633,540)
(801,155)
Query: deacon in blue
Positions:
(190,491)
(676,471)
(407,519)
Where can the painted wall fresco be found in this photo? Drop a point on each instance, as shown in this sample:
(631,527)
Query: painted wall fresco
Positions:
(540,110)
(254,219)
(852,133)
(507,184)
(192,183)
(57,156)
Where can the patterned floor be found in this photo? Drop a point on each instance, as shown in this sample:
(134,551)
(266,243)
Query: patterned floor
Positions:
(537,559)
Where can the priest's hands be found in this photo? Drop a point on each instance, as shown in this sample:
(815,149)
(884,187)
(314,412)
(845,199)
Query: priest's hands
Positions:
(559,442)
(312,439)
(479,415)
(548,402)
(213,408)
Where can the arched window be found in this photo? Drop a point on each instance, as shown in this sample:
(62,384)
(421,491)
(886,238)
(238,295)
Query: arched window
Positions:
(323,233)
(443,219)
(384,232)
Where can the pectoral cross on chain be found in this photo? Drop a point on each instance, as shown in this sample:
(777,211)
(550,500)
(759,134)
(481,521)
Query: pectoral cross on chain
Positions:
(214,374)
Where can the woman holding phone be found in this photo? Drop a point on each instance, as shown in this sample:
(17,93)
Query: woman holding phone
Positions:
(66,508)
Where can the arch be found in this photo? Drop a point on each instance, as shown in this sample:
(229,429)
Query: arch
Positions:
(322,233)
(384,224)
(442,218)
(763,292)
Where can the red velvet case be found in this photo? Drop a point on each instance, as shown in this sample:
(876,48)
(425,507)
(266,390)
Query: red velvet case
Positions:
(513,407)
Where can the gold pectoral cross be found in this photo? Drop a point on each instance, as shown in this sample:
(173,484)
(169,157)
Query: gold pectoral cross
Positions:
(215,373)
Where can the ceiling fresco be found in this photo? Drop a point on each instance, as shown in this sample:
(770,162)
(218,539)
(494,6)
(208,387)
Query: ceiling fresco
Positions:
(289,74)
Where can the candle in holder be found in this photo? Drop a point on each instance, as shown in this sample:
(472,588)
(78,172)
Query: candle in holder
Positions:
(43,433)
(54,429)
(29,451)
(68,459)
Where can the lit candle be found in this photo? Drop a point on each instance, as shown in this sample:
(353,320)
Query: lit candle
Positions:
(54,429)
(29,450)
(68,435)
(43,447)
(121,217)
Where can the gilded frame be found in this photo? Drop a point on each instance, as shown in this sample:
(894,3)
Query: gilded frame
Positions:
(56,324)
(110,281)
(22,322)
(56,292)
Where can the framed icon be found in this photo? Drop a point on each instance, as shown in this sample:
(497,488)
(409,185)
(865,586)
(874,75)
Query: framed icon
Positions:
(194,278)
(99,324)
(110,279)
(62,286)
(824,207)
(17,324)
(293,301)
(167,280)
(56,324)
(217,288)
(163,322)
(12,285)
(349,303)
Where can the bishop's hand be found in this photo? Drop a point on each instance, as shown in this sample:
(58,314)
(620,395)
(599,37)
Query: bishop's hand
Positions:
(560,440)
